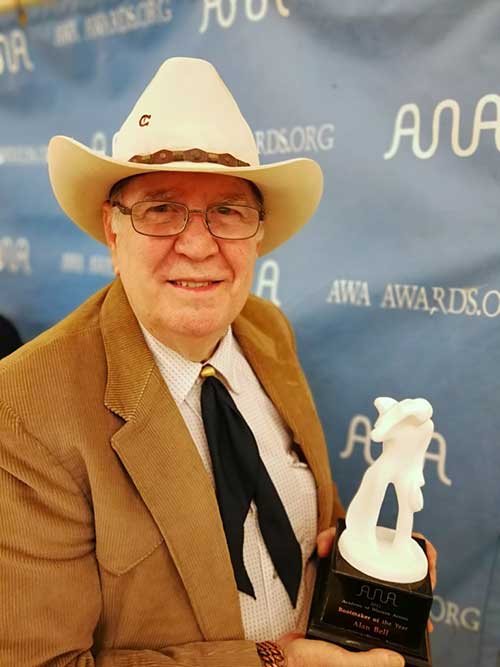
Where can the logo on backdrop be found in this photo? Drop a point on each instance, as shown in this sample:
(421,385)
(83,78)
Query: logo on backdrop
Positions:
(81,264)
(359,431)
(15,255)
(225,11)
(23,154)
(298,139)
(120,20)
(99,142)
(467,301)
(37,154)
(449,613)
(14,53)
(407,124)
(267,282)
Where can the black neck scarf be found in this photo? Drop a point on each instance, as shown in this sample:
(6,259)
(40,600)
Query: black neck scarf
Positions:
(240,477)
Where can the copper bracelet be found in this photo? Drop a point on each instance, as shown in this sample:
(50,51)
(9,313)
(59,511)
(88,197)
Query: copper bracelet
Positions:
(271,654)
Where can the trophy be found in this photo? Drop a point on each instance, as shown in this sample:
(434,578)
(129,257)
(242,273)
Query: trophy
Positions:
(374,589)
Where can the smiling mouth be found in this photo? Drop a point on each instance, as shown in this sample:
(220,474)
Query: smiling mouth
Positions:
(194,284)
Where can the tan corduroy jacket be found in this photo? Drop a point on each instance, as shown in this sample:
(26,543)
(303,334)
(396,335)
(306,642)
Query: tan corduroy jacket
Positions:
(112,551)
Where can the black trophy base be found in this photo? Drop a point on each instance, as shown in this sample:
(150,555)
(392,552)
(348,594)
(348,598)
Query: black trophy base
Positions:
(359,612)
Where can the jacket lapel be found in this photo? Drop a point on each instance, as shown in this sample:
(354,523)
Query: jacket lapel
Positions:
(161,458)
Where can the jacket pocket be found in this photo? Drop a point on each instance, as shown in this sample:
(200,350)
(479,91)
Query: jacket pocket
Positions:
(125,532)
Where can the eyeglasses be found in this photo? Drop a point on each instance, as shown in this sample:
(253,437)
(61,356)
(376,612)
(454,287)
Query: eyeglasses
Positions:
(167,218)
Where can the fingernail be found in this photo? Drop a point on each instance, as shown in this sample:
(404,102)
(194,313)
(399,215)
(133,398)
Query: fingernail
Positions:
(396,661)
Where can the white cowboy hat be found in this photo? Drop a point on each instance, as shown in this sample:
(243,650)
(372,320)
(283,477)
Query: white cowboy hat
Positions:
(185,120)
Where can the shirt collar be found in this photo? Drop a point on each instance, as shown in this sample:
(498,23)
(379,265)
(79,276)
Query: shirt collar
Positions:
(181,374)
(224,360)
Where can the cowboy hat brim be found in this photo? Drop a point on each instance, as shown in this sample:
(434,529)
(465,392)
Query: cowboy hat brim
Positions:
(81,180)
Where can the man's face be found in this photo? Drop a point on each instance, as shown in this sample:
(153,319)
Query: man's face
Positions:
(154,270)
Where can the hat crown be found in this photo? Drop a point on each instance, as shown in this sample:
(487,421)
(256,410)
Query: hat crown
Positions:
(186,105)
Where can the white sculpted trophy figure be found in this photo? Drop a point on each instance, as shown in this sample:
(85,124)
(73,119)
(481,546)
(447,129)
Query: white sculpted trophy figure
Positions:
(405,428)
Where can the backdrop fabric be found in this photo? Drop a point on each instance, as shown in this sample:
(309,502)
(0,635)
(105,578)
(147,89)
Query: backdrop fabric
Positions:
(393,288)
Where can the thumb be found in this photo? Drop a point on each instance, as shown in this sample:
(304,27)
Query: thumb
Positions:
(289,637)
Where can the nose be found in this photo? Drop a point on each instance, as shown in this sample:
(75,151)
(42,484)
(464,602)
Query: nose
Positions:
(196,241)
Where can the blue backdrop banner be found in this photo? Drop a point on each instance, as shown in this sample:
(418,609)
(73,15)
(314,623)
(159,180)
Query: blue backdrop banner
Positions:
(393,288)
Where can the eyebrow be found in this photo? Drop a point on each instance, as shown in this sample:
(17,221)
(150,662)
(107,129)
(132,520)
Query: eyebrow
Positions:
(172,195)
(234,199)
(160,194)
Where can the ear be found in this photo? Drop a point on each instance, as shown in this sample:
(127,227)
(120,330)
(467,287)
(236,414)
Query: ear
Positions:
(260,237)
(107,223)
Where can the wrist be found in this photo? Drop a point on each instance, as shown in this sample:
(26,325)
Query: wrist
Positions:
(271,654)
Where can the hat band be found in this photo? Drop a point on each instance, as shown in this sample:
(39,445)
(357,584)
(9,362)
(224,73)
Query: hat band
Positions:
(191,155)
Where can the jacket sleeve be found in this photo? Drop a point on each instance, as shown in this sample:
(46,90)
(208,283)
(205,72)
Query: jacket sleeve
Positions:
(199,654)
(50,597)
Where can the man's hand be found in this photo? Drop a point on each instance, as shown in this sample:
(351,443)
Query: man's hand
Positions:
(301,652)
(325,541)
(431,557)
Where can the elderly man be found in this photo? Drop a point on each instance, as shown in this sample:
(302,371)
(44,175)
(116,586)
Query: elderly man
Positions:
(164,477)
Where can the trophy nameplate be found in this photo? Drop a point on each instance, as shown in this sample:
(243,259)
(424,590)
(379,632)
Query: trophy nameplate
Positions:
(374,589)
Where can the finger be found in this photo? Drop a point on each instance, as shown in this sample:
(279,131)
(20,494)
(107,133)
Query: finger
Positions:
(317,653)
(431,557)
(383,658)
(374,658)
(430,626)
(324,542)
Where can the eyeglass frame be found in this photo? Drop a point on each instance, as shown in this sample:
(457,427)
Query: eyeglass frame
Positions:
(126,210)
